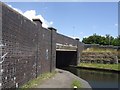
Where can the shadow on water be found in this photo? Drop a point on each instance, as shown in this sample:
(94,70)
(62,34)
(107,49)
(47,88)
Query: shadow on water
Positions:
(97,79)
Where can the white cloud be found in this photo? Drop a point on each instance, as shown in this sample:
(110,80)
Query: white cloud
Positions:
(116,24)
(30,14)
(74,37)
(51,22)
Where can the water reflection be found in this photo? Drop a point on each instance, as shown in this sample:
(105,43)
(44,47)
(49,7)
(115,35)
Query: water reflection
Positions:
(97,79)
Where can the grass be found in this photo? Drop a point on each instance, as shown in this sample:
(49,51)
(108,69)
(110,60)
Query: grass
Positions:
(101,66)
(76,83)
(100,50)
(37,81)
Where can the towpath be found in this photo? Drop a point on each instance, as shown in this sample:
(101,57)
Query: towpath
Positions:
(63,79)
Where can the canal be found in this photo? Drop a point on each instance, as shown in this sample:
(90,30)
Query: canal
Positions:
(97,79)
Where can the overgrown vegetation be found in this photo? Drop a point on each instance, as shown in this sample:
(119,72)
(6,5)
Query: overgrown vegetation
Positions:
(96,53)
(33,83)
(102,40)
(100,50)
(76,83)
(101,66)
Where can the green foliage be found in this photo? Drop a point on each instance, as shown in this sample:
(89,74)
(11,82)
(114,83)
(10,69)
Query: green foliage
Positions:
(102,40)
(76,83)
(33,83)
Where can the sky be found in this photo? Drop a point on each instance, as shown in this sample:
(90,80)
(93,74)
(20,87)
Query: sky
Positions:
(74,19)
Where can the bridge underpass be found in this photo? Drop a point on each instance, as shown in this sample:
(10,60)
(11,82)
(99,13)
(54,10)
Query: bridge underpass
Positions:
(66,55)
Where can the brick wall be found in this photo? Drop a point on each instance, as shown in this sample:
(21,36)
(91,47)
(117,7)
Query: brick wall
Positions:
(29,49)
(62,39)
(20,37)
(0,44)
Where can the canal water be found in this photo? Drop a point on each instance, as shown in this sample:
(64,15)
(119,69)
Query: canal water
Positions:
(97,79)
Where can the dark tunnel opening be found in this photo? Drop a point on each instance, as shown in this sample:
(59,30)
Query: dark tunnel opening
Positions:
(65,58)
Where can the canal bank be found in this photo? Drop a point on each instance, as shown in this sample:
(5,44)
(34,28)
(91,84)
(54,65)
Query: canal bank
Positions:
(63,79)
(97,79)
(97,69)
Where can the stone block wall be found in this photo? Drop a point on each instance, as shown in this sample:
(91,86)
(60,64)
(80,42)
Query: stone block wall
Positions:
(99,57)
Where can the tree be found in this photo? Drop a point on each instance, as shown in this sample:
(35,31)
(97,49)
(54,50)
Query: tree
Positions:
(102,40)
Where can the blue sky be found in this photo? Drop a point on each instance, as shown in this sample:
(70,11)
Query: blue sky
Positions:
(76,19)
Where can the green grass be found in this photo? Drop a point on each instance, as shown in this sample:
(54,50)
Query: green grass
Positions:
(76,83)
(37,81)
(101,66)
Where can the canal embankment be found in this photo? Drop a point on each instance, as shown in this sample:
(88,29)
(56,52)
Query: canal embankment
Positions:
(100,59)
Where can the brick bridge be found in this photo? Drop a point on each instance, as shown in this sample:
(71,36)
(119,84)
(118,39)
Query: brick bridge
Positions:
(28,50)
